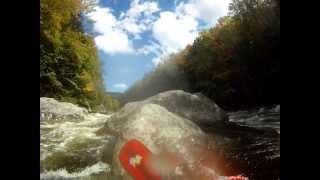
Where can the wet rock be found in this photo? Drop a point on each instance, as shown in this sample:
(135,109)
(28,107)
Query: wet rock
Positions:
(195,107)
(188,126)
(163,132)
(187,130)
(52,109)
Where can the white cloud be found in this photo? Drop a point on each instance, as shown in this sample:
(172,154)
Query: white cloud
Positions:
(156,61)
(104,21)
(187,9)
(113,42)
(211,10)
(112,38)
(175,30)
(207,10)
(147,8)
(139,17)
(120,86)
(152,47)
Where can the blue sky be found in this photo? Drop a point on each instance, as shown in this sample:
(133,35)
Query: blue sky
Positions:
(134,36)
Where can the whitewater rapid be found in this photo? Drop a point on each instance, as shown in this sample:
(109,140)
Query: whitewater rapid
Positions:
(70,148)
(67,140)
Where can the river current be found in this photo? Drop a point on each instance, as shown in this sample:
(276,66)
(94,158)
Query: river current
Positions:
(70,148)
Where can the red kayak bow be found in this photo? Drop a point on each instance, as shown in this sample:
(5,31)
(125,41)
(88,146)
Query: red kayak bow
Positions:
(135,158)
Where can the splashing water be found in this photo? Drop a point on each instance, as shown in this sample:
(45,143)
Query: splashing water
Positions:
(83,175)
(70,149)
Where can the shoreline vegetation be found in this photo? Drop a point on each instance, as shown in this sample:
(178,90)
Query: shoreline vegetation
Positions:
(236,63)
(232,66)
(70,70)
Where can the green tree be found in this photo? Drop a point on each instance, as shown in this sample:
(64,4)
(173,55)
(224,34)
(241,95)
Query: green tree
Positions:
(69,66)
(236,62)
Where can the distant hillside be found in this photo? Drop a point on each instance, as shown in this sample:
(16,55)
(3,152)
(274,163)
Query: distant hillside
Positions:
(116,95)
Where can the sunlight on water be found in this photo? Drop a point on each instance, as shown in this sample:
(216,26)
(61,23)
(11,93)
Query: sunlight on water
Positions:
(266,117)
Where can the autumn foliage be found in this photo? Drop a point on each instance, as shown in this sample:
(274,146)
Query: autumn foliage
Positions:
(69,66)
(236,62)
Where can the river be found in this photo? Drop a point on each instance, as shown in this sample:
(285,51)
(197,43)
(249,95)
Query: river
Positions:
(70,148)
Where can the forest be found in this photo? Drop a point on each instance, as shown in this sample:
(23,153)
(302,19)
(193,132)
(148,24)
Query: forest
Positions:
(229,131)
(236,63)
(69,66)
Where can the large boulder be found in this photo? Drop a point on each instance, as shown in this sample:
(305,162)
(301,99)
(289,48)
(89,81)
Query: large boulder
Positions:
(195,107)
(165,134)
(194,130)
(51,109)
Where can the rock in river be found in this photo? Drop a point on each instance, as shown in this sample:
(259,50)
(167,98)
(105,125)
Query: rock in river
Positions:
(196,135)
(188,134)
(195,107)
(53,109)
(165,134)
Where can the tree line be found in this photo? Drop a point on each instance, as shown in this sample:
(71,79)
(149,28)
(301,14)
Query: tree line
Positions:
(69,66)
(236,63)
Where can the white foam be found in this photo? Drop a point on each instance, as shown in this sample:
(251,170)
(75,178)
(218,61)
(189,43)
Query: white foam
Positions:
(87,172)
(58,135)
